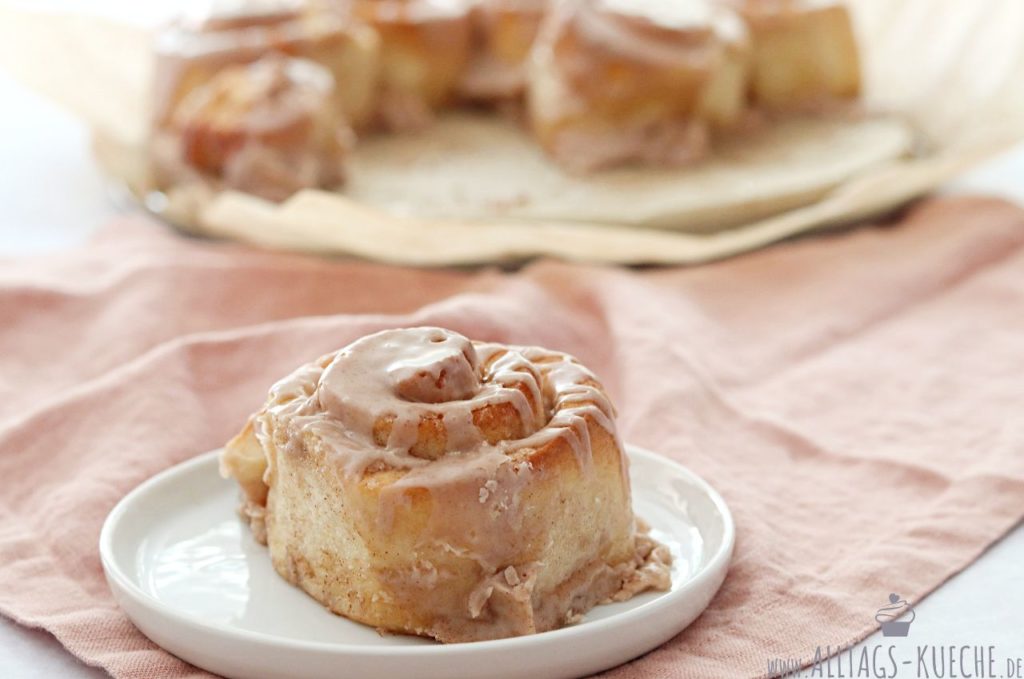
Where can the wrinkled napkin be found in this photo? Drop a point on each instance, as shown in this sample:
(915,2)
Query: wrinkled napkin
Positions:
(855,398)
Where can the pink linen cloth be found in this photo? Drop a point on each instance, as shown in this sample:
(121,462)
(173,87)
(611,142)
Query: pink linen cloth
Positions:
(856,399)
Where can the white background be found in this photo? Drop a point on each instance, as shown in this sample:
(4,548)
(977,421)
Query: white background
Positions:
(53,196)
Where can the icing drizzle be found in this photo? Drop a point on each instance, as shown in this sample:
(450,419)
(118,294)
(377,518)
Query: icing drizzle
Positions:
(401,398)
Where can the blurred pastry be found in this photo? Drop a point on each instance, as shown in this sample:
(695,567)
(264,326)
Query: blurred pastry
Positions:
(635,81)
(604,83)
(269,128)
(190,51)
(426,484)
(725,100)
(503,35)
(424,51)
(805,52)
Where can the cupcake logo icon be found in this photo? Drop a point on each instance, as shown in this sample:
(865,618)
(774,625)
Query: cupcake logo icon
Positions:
(892,617)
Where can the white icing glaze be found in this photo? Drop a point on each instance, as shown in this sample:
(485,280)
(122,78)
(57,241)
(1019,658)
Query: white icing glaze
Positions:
(370,401)
(416,10)
(196,49)
(691,43)
(669,13)
(218,13)
(729,27)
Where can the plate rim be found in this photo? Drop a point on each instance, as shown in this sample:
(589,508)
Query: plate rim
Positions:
(718,562)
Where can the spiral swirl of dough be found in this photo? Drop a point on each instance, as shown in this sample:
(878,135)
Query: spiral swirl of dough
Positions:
(405,397)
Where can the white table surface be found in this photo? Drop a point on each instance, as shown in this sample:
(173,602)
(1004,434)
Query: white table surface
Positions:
(43,147)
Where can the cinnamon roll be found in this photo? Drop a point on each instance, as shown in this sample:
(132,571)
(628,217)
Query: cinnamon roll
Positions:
(805,52)
(426,484)
(191,51)
(268,128)
(503,35)
(424,51)
(619,81)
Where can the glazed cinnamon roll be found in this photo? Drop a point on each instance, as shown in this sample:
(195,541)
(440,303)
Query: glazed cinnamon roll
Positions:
(503,35)
(269,128)
(805,52)
(191,51)
(620,81)
(426,484)
(424,51)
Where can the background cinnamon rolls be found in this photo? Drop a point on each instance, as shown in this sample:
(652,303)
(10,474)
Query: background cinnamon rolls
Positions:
(617,81)
(602,82)
(504,32)
(425,48)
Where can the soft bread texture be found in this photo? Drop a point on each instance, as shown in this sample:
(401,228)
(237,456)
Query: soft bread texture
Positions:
(805,53)
(188,55)
(522,533)
(425,47)
(724,98)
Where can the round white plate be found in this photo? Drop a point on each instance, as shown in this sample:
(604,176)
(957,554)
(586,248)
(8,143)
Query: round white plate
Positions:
(189,575)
